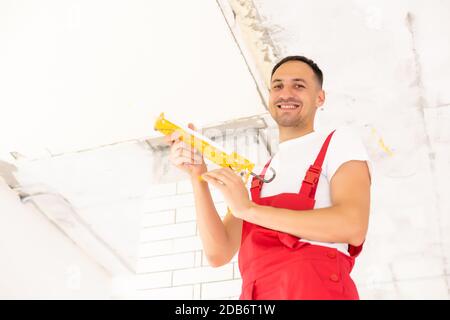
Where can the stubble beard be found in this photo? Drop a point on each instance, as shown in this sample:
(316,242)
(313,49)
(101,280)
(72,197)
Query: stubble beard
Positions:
(287,120)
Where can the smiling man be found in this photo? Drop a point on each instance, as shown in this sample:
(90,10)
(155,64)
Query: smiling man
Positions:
(297,236)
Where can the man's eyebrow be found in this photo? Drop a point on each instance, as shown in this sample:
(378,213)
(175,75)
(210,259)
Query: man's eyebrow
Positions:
(300,79)
(296,79)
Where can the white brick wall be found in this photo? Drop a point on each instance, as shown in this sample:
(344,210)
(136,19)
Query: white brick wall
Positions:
(184,214)
(160,190)
(166,262)
(172,293)
(221,289)
(171,246)
(202,274)
(158,218)
(170,231)
(168,202)
(154,280)
(171,262)
(184,186)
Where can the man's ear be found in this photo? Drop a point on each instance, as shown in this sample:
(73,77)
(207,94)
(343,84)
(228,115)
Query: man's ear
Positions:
(320,98)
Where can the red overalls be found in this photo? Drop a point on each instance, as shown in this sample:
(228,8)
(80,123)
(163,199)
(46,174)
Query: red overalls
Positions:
(276,265)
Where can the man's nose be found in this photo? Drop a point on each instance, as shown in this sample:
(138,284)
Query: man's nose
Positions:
(285,93)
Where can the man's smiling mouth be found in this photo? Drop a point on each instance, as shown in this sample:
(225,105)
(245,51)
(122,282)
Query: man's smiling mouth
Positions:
(288,106)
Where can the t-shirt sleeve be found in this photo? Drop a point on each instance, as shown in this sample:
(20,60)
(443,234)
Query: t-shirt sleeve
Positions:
(345,145)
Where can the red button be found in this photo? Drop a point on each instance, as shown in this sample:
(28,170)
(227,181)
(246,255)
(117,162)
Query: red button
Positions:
(331,254)
(334,277)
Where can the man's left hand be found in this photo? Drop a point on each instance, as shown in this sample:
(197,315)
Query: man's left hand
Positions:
(232,188)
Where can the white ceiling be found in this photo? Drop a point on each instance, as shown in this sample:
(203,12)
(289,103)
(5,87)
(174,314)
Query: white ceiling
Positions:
(77,75)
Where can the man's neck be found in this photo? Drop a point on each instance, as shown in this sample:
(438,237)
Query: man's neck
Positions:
(292,133)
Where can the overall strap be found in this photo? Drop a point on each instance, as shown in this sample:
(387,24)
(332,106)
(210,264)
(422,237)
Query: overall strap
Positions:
(256,183)
(311,180)
(256,186)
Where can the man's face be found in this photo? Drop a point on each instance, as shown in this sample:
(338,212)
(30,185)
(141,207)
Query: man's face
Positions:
(295,95)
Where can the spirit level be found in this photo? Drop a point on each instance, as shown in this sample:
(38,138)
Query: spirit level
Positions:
(210,150)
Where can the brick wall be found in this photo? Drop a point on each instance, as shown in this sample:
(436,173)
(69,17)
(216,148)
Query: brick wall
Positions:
(171,262)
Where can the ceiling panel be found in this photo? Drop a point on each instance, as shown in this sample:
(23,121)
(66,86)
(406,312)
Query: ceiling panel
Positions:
(77,75)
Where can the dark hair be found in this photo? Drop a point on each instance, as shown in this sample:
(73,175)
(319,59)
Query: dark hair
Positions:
(303,59)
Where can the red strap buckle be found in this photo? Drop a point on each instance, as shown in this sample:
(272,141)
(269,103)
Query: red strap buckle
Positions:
(315,169)
(312,175)
(256,183)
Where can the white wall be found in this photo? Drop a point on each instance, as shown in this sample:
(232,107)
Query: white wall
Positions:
(385,68)
(39,261)
(386,71)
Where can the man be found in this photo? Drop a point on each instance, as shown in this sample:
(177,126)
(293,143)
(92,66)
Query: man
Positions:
(298,235)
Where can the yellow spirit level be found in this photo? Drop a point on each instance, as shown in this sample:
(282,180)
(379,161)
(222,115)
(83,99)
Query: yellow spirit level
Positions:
(210,150)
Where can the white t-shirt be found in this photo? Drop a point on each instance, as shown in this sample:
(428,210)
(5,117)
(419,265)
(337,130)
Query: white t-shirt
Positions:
(294,157)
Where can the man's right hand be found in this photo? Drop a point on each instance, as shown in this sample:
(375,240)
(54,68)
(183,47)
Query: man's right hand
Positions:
(185,157)
(220,239)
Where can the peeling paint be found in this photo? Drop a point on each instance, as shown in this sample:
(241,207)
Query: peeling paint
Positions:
(257,36)
(381,143)
(66,219)
(442,105)
(236,32)
(6,172)
(421,103)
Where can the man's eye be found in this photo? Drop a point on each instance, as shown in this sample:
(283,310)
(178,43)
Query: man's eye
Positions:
(277,87)
(299,86)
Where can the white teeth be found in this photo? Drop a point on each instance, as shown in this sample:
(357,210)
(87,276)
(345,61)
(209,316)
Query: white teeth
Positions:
(287,106)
